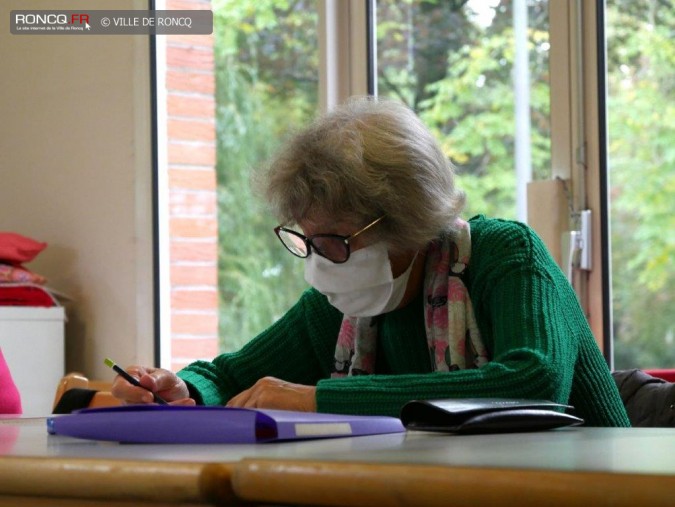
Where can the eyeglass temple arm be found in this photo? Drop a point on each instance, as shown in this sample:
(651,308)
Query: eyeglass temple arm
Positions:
(371,224)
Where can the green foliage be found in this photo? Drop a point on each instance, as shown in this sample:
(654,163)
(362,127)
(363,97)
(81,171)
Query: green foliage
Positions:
(641,82)
(257,106)
(460,84)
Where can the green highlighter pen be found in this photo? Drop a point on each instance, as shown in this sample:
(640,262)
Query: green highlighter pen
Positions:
(109,362)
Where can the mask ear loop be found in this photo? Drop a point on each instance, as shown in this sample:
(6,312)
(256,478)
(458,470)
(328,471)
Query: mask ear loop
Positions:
(412,262)
(409,268)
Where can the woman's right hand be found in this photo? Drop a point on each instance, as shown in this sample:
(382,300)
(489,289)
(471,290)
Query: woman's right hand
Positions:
(163,382)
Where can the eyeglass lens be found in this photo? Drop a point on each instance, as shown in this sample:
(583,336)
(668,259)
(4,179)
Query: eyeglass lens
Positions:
(293,242)
(331,247)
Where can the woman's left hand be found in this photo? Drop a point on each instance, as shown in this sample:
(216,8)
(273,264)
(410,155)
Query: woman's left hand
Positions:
(271,392)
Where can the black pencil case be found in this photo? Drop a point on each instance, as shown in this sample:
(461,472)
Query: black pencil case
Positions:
(486,415)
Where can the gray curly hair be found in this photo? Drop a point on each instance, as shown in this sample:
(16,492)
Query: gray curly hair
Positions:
(367,158)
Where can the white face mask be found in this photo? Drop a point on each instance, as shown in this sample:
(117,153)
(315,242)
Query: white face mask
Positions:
(361,287)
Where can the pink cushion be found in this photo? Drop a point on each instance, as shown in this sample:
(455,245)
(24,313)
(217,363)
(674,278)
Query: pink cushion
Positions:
(17,274)
(17,294)
(15,248)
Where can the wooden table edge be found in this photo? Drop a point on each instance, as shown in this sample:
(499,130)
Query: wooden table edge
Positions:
(367,484)
(117,479)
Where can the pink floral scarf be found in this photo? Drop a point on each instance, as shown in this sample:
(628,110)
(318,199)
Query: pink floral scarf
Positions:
(452,333)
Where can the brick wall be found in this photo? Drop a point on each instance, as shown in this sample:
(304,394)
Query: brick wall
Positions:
(190,89)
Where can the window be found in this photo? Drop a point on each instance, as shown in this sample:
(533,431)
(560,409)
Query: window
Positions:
(641,149)
(266,85)
(187,194)
(477,73)
(226,101)
(509,89)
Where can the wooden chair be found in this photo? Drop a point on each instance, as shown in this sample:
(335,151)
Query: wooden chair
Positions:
(101,396)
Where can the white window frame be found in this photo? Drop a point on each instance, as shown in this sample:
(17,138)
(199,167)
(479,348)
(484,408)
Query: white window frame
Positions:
(163,234)
(576,134)
(566,92)
(343,49)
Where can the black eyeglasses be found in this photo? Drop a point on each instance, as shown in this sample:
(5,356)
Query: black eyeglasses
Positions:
(333,247)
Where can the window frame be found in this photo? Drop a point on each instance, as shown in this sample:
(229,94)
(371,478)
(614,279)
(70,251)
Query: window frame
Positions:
(579,153)
(346,24)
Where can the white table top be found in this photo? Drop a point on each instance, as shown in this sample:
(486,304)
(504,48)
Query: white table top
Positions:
(614,450)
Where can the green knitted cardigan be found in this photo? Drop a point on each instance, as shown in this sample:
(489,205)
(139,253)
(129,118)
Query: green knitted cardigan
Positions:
(540,343)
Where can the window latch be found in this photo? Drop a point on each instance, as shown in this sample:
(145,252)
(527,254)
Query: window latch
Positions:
(576,246)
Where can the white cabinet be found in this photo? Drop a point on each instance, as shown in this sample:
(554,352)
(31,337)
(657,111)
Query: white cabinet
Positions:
(32,341)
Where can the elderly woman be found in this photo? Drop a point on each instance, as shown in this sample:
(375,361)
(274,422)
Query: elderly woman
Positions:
(408,301)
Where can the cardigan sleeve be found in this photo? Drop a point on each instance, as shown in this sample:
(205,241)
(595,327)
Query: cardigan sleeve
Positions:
(297,348)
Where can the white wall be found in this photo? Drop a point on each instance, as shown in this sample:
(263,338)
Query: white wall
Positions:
(75,171)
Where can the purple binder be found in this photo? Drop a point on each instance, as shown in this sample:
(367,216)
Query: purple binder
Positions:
(153,424)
